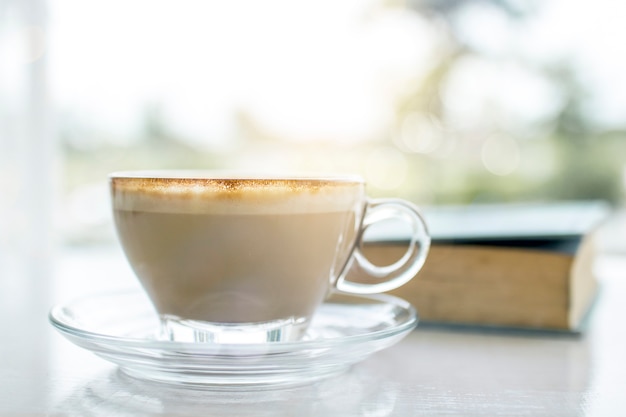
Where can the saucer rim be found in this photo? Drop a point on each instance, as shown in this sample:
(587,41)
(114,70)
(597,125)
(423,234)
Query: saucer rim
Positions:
(56,313)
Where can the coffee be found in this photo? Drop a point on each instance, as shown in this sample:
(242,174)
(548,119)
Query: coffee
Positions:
(237,251)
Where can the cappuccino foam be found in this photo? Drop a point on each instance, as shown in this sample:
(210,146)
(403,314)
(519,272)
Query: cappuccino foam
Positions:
(235,196)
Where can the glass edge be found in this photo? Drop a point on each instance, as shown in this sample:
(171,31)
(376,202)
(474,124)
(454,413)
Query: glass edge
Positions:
(269,348)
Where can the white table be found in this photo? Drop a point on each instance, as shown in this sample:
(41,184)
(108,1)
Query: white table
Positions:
(434,371)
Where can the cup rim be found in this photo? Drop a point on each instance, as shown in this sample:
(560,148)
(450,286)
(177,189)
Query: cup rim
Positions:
(188,174)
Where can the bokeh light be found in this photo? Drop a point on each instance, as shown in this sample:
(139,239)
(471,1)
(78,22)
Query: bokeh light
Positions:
(385,168)
(500,155)
(420,133)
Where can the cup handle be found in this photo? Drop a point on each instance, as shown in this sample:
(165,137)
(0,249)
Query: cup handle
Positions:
(405,268)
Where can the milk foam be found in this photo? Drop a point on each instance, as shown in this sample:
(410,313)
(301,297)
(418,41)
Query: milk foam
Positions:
(236,196)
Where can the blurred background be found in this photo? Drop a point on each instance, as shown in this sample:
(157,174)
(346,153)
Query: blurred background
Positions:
(436,101)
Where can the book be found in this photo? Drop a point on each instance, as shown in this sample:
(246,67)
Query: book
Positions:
(512,265)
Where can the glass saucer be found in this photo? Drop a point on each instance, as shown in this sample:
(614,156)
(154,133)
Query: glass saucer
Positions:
(345,330)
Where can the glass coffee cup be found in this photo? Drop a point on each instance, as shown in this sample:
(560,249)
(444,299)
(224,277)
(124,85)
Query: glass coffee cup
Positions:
(231,258)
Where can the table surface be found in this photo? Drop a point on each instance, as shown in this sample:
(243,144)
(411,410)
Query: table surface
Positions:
(433,371)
